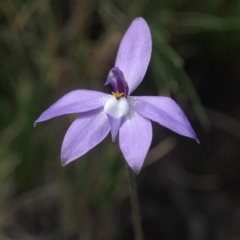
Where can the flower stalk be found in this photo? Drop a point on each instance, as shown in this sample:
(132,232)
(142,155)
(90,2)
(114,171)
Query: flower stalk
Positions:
(136,216)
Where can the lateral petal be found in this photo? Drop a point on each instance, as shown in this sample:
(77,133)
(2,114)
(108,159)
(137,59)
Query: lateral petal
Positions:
(135,136)
(134,53)
(75,102)
(89,129)
(164,111)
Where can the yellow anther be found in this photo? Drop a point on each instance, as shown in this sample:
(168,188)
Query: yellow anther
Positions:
(117,95)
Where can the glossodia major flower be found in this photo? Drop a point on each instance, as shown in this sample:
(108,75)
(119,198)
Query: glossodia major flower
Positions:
(119,112)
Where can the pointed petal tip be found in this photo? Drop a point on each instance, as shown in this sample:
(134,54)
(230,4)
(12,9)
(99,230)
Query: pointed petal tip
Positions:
(63,163)
(106,83)
(197,140)
(35,124)
(113,137)
(136,171)
(135,168)
(140,19)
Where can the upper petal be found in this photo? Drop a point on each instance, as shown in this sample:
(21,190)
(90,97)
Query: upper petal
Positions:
(134,53)
(166,112)
(89,129)
(75,102)
(135,136)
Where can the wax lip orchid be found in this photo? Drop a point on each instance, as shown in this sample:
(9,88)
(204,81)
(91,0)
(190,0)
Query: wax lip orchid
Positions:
(119,112)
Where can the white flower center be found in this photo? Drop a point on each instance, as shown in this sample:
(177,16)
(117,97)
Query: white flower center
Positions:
(116,108)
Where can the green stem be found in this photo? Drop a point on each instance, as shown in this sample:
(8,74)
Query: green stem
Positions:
(135,205)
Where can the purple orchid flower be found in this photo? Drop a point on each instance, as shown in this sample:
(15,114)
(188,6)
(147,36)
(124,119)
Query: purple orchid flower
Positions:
(119,112)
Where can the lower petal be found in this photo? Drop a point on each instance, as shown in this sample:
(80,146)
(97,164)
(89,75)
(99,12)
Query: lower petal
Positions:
(135,138)
(86,132)
(115,124)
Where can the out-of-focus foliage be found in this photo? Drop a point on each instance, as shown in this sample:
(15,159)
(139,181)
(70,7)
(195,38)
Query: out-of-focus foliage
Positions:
(48,48)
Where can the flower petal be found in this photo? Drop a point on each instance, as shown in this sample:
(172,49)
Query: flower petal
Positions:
(115,124)
(135,138)
(89,129)
(166,112)
(75,102)
(134,53)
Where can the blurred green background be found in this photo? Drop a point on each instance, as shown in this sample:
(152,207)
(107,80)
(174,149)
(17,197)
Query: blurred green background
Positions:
(48,48)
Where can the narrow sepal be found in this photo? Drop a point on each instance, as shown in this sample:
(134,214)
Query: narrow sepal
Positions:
(166,112)
(75,102)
